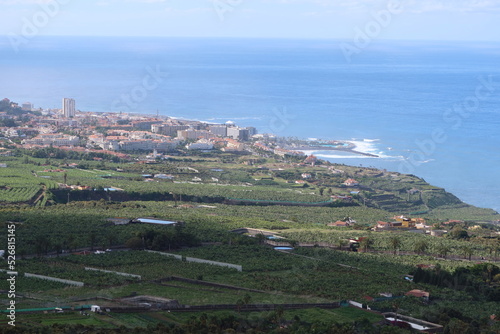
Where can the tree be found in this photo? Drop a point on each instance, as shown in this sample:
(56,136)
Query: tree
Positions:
(92,239)
(111,237)
(443,250)
(456,326)
(134,243)
(420,246)
(459,233)
(42,244)
(341,243)
(278,314)
(261,238)
(239,305)
(467,252)
(395,244)
(490,269)
(58,248)
(247,299)
(365,243)
(69,242)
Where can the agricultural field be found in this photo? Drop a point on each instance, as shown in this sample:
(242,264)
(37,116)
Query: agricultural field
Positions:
(51,223)
(19,183)
(142,320)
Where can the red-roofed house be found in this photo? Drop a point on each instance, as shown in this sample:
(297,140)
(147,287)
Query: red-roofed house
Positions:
(382,225)
(418,294)
(351,183)
(340,223)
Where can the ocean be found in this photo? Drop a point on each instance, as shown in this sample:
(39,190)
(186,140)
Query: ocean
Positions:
(427,108)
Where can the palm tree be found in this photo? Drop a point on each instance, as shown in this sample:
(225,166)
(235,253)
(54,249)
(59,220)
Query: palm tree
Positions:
(365,243)
(395,244)
(467,252)
(92,239)
(42,244)
(489,269)
(111,237)
(261,238)
(247,299)
(341,243)
(443,250)
(421,246)
(239,305)
(69,242)
(58,248)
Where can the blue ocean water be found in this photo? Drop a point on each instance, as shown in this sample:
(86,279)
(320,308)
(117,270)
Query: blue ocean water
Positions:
(427,108)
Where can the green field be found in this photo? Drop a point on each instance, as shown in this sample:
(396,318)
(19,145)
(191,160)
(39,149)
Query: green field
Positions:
(52,226)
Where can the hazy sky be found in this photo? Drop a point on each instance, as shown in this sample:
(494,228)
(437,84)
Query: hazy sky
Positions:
(408,19)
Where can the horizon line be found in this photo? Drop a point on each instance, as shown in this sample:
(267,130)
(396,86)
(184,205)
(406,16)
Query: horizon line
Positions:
(270,38)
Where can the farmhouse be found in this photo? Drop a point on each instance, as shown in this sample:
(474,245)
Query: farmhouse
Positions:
(418,293)
(382,225)
(351,183)
(340,223)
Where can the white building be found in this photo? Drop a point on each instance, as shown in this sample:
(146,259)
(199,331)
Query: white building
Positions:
(136,145)
(202,144)
(54,139)
(27,106)
(167,129)
(69,108)
(238,133)
(193,134)
(218,130)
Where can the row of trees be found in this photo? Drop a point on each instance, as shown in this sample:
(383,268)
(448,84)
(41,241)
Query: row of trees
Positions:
(171,238)
(480,280)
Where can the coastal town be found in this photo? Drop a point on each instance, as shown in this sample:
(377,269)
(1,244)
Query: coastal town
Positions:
(151,138)
(119,133)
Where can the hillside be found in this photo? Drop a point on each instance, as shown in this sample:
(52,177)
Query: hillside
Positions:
(205,180)
(228,212)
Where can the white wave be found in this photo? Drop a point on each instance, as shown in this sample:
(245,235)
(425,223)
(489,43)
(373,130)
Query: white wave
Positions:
(350,155)
(365,146)
(333,156)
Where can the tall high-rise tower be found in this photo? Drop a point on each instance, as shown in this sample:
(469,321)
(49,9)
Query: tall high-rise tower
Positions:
(68,107)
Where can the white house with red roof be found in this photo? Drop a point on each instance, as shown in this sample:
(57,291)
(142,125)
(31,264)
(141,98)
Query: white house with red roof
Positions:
(351,183)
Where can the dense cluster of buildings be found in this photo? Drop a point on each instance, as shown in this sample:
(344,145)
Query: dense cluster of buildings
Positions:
(120,132)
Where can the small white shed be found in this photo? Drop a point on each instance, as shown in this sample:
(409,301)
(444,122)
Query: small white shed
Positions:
(95,308)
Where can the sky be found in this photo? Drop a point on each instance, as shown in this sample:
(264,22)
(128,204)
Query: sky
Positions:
(462,20)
